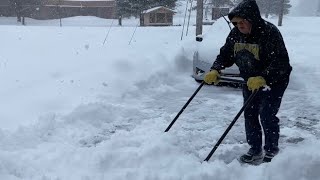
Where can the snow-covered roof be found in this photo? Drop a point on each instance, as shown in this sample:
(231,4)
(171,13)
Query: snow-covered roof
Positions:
(156,8)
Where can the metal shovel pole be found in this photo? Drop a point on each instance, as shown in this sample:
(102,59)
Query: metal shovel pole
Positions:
(184,107)
(194,94)
(232,80)
(231,125)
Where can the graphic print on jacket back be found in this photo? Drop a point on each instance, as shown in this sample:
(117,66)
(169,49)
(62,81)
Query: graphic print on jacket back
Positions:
(253,48)
(247,59)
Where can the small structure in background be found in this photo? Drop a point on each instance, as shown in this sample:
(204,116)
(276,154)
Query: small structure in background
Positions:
(218,12)
(157,16)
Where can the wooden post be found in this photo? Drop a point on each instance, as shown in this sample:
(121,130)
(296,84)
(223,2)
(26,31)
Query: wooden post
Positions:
(184,19)
(59,11)
(199,20)
(189,17)
(120,20)
(281,13)
(318,11)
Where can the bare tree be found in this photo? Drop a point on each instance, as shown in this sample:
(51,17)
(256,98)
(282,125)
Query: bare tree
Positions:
(281,13)
(17,7)
(25,8)
(318,10)
(199,17)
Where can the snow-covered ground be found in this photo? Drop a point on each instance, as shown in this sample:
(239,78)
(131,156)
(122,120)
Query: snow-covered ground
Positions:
(73,108)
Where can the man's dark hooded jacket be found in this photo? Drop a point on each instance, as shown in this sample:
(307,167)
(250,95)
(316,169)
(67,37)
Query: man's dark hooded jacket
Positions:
(265,42)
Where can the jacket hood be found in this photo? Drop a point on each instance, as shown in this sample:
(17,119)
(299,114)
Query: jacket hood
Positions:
(249,10)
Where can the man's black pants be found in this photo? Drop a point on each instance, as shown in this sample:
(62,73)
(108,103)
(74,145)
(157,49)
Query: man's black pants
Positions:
(266,105)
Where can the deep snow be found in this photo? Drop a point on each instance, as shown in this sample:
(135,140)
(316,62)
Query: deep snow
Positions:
(75,109)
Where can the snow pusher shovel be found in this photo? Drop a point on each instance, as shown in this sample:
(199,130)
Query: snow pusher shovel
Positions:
(251,97)
(195,93)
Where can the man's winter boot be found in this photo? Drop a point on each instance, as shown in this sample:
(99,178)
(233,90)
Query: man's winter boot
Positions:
(251,156)
(269,155)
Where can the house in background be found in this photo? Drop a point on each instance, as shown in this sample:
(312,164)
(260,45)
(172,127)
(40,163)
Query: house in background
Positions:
(55,9)
(157,16)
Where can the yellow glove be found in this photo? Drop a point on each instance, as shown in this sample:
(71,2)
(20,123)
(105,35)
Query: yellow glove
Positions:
(212,77)
(255,83)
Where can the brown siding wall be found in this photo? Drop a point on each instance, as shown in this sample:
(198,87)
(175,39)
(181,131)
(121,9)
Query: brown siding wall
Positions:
(81,3)
(54,9)
(52,12)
